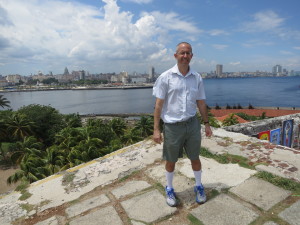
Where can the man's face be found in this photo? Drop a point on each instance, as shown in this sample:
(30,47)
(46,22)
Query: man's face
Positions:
(184,54)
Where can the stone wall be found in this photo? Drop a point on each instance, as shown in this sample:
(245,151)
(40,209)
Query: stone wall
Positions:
(253,128)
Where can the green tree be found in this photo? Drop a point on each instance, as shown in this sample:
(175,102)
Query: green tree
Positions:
(68,138)
(29,146)
(4,102)
(31,170)
(50,80)
(145,126)
(53,159)
(118,126)
(131,136)
(263,115)
(19,126)
(72,120)
(48,119)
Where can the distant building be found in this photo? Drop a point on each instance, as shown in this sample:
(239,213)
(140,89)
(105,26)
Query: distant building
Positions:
(277,70)
(121,77)
(3,83)
(13,79)
(81,75)
(66,72)
(219,70)
(137,80)
(151,74)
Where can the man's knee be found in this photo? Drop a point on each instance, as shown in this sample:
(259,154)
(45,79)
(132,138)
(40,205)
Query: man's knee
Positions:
(196,164)
(170,166)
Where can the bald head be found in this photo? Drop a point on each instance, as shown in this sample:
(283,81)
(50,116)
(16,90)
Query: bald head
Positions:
(182,43)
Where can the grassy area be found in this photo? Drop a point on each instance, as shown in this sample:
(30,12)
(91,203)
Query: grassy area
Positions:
(25,195)
(284,183)
(194,220)
(227,158)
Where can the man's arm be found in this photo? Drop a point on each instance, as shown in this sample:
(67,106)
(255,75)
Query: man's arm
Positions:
(157,112)
(203,111)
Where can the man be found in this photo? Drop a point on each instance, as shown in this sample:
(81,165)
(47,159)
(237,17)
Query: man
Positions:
(179,91)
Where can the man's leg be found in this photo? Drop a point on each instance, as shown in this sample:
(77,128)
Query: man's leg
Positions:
(173,144)
(196,166)
(199,189)
(171,197)
(170,167)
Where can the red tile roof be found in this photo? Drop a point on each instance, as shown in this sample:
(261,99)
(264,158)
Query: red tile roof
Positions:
(240,120)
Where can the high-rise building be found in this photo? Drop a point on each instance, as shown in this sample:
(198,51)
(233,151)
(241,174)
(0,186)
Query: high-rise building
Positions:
(151,74)
(219,70)
(277,70)
(81,75)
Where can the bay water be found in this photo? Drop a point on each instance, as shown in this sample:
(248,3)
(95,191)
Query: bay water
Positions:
(258,91)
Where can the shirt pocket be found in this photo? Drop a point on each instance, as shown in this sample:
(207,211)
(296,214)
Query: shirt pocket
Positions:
(192,94)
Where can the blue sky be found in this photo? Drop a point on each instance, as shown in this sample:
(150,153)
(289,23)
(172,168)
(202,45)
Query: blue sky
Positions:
(132,35)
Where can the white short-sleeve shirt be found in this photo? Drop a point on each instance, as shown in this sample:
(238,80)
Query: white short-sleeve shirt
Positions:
(180,94)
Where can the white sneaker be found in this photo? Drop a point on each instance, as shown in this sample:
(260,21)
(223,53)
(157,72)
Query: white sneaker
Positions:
(200,194)
(171,197)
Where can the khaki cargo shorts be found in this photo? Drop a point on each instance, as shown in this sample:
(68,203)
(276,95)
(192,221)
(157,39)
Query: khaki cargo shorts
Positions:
(181,136)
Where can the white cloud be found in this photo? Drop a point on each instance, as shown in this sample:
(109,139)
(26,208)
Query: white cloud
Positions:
(234,63)
(297,47)
(138,1)
(286,52)
(254,43)
(217,32)
(220,47)
(59,34)
(264,21)
(173,21)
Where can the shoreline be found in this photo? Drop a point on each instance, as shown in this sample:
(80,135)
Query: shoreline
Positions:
(285,110)
(77,88)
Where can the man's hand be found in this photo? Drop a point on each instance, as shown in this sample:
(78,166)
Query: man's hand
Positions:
(157,136)
(208,131)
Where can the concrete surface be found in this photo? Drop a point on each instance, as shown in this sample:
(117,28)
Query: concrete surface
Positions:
(224,210)
(292,214)
(260,193)
(127,187)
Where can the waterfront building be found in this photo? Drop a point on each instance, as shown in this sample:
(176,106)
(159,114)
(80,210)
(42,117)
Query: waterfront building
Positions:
(151,74)
(3,83)
(13,79)
(277,70)
(81,75)
(219,70)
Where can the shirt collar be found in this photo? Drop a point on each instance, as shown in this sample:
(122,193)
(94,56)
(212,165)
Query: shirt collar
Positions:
(175,69)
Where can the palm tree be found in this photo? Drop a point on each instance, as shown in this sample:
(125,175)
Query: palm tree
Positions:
(29,146)
(94,122)
(131,136)
(2,129)
(53,159)
(68,138)
(19,126)
(145,126)
(31,170)
(72,120)
(4,102)
(118,126)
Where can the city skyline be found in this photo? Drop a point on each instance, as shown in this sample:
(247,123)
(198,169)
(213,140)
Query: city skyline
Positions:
(131,35)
